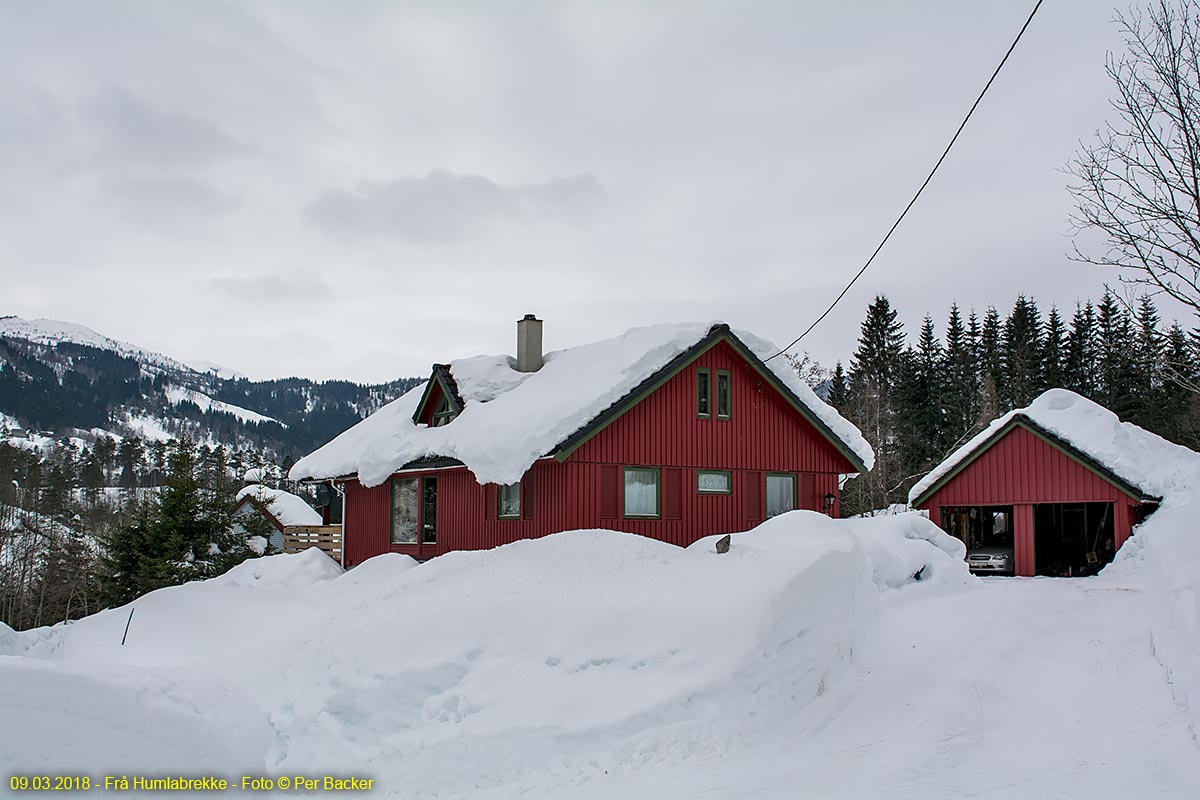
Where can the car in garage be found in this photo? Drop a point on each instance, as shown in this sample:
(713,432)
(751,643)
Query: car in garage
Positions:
(991,560)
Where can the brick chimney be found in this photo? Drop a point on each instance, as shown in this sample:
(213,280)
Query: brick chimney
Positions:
(529,344)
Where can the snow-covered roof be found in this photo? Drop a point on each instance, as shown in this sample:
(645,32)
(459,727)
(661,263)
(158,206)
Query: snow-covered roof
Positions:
(286,507)
(1138,457)
(511,419)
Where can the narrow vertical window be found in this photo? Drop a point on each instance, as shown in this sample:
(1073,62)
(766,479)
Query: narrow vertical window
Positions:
(509,499)
(724,402)
(429,511)
(703,393)
(405,510)
(781,493)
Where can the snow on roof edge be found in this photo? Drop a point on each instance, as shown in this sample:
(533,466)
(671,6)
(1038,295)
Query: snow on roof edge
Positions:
(1138,457)
(575,386)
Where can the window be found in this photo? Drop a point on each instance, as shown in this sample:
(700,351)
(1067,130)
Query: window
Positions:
(704,393)
(508,500)
(428,510)
(443,414)
(712,481)
(724,408)
(405,510)
(781,493)
(641,492)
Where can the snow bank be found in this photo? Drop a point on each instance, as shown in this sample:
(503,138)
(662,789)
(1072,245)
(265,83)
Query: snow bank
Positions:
(511,419)
(95,720)
(1164,556)
(1143,459)
(585,647)
(288,508)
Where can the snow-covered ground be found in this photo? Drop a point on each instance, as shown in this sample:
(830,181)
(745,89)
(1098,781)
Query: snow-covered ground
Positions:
(817,658)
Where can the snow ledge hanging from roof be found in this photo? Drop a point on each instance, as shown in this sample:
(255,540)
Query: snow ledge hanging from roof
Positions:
(512,419)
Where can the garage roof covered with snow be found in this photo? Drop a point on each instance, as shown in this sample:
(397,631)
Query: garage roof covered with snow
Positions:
(510,418)
(1120,451)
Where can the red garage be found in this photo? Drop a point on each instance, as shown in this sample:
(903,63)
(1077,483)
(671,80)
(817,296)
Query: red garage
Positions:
(1051,489)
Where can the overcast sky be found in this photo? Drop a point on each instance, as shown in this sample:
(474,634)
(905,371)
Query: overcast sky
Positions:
(356,190)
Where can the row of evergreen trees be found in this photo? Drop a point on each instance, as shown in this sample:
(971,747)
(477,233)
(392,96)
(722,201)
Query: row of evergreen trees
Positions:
(916,403)
(80,531)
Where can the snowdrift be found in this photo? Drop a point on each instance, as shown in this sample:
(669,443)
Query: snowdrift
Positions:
(594,646)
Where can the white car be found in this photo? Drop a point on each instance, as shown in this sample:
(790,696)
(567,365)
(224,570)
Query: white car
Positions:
(991,560)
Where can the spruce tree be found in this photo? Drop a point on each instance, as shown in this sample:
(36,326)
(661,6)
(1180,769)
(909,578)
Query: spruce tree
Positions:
(960,389)
(922,424)
(1080,364)
(1054,351)
(1021,355)
(1147,377)
(839,388)
(991,376)
(874,401)
(1116,361)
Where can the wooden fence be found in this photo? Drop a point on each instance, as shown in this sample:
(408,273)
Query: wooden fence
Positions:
(301,537)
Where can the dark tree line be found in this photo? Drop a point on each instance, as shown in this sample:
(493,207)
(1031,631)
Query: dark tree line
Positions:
(915,403)
(84,529)
(64,387)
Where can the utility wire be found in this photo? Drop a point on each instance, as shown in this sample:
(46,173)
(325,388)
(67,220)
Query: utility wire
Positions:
(928,178)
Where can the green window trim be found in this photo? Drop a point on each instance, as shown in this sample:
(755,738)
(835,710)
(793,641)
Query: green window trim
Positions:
(443,414)
(728,481)
(704,397)
(727,413)
(657,488)
(795,477)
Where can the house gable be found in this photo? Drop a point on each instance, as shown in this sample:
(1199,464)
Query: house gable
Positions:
(251,505)
(763,431)
(1005,469)
(744,366)
(439,387)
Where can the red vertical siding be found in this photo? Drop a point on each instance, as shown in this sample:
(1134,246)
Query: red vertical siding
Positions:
(764,434)
(1023,549)
(1021,469)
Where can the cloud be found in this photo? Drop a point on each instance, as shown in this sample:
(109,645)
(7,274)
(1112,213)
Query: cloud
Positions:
(443,208)
(165,200)
(131,132)
(265,289)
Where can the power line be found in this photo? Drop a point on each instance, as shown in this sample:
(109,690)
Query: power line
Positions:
(928,178)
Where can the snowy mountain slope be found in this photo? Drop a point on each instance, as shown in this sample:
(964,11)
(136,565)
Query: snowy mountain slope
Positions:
(52,332)
(65,379)
(176,395)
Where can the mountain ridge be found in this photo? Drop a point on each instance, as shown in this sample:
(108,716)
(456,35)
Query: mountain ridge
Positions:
(66,379)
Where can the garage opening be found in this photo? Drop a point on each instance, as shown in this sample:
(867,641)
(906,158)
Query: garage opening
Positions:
(987,531)
(1072,539)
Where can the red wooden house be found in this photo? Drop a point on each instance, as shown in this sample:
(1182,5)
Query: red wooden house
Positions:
(673,432)
(1060,483)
